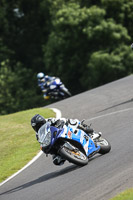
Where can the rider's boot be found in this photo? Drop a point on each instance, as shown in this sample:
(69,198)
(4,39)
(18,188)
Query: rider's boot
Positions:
(89,131)
(96,135)
(46,97)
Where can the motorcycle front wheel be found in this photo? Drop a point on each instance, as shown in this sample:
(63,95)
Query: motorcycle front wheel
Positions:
(74,156)
(66,92)
(104,144)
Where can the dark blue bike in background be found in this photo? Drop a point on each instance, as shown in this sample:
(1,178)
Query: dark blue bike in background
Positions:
(57,89)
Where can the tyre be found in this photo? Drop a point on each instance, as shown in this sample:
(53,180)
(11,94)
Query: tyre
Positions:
(104,144)
(66,92)
(74,156)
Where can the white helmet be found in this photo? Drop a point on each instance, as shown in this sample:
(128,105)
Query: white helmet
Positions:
(40,76)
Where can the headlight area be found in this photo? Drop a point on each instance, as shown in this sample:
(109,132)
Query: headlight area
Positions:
(47,140)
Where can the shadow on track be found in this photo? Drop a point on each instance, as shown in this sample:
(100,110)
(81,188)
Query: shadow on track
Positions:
(44,178)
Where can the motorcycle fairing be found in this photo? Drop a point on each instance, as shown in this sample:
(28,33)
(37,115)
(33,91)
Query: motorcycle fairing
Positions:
(80,137)
(55,86)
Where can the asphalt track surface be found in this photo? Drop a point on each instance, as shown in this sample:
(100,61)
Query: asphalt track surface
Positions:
(110,110)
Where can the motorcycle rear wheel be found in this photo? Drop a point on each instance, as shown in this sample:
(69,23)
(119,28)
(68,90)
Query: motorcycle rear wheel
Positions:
(74,156)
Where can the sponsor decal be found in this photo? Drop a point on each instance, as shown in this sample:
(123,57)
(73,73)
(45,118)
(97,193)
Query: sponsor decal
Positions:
(69,134)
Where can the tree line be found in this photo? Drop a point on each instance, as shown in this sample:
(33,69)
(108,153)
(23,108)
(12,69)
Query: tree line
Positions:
(85,43)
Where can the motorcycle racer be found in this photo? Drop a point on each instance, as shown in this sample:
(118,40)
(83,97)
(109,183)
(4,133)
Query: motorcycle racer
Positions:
(44,83)
(37,121)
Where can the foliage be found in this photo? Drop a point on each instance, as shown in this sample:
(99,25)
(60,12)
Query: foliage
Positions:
(17,89)
(77,36)
(104,67)
(76,40)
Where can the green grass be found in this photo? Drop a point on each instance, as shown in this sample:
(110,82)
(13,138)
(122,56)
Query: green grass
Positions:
(18,144)
(126,195)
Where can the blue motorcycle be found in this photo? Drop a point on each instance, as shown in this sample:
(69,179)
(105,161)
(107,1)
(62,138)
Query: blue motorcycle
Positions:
(72,145)
(57,89)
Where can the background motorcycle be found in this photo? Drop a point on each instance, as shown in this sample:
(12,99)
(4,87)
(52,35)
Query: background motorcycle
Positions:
(57,90)
(72,145)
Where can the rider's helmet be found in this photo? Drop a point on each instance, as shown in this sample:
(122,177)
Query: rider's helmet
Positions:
(37,121)
(41,76)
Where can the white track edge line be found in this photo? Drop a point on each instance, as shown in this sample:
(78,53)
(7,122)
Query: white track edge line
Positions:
(58,115)
(112,113)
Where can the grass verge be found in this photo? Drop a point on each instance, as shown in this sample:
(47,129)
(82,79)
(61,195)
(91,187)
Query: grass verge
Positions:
(18,144)
(126,195)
